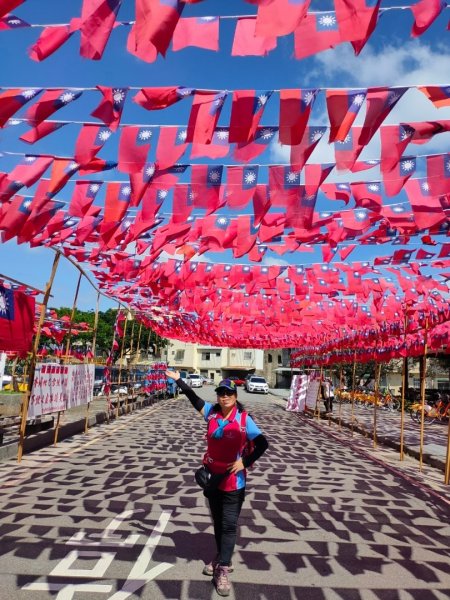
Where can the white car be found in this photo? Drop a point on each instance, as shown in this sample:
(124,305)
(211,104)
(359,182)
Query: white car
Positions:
(257,384)
(196,380)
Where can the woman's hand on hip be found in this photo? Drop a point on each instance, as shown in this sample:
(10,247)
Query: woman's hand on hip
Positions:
(236,466)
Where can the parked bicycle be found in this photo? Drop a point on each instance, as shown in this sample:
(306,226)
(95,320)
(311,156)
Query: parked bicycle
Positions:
(440,411)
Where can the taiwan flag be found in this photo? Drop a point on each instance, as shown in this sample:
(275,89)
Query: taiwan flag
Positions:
(117,200)
(16,321)
(358,219)
(40,131)
(241,185)
(301,152)
(14,216)
(427,208)
(111,106)
(206,181)
(357,20)
(284,185)
(155,23)
(438,174)
(394,140)
(380,102)
(247,152)
(83,197)
(13,100)
(280,17)
(12,22)
(97,21)
(425,13)
(439,95)
(134,147)
(367,194)
(62,170)
(218,148)
(316,32)
(183,203)
(205,112)
(49,103)
(201,32)
(49,41)
(8,5)
(140,182)
(295,108)
(347,151)
(300,210)
(395,179)
(343,106)
(247,234)
(157,98)
(29,170)
(246,111)
(247,43)
(214,231)
(171,146)
(90,140)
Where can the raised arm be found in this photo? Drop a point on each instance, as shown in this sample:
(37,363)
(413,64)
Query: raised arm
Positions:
(197,402)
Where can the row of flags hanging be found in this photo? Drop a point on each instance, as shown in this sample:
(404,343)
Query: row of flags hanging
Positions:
(159,24)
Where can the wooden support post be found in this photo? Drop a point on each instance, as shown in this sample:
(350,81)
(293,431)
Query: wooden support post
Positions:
(402,409)
(340,399)
(37,337)
(94,345)
(376,394)
(447,459)
(317,407)
(353,392)
(120,368)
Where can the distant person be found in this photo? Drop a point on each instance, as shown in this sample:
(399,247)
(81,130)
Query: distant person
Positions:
(226,443)
(327,390)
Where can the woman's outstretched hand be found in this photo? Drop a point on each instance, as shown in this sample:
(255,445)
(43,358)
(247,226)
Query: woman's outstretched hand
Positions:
(173,374)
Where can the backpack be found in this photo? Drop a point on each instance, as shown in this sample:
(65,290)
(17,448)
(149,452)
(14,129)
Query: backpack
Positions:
(247,446)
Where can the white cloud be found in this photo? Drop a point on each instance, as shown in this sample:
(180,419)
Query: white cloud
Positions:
(268,261)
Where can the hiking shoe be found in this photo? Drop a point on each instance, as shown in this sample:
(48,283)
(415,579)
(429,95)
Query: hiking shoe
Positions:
(221,581)
(210,567)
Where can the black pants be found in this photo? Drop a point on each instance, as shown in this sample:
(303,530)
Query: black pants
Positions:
(225,509)
(328,404)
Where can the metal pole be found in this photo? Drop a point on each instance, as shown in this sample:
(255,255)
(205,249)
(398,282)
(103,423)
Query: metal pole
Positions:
(26,398)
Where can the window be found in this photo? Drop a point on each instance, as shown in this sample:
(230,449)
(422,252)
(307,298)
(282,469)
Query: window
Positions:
(269,358)
(206,355)
(173,352)
(279,359)
(179,355)
(248,356)
(218,353)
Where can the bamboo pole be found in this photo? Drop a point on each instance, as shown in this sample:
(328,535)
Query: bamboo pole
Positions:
(376,393)
(317,407)
(37,337)
(353,392)
(340,398)
(423,370)
(120,368)
(402,409)
(94,344)
(132,380)
(447,460)
(66,356)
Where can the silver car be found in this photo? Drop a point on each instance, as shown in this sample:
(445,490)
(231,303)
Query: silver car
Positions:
(257,384)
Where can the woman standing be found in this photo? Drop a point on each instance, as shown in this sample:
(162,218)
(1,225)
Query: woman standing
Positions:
(230,429)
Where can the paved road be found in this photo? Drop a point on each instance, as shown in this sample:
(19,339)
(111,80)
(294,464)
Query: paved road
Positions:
(115,514)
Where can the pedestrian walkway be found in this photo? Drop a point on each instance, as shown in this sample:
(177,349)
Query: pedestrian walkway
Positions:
(116,514)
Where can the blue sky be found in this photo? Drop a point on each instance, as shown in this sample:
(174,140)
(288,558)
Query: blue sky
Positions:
(390,58)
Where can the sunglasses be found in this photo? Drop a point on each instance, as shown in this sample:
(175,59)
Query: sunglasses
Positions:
(223,393)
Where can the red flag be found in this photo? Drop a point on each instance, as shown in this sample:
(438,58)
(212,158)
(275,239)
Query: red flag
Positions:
(83,197)
(315,175)
(241,185)
(49,41)
(301,152)
(156,98)
(439,96)
(27,172)
(300,209)
(201,32)
(111,106)
(380,102)
(247,234)
(97,21)
(38,219)
(261,203)
(6,6)
(247,152)
(90,140)
(247,43)
(49,103)
(425,13)
(295,108)
(14,216)
(398,216)
(438,174)
(205,112)
(284,185)
(347,151)
(171,146)
(206,181)
(343,107)
(155,23)
(39,132)
(367,194)
(12,100)
(134,147)
(358,219)
(246,112)
(280,17)
(427,208)
(395,178)
(117,200)
(62,171)
(218,148)
(16,320)
(183,203)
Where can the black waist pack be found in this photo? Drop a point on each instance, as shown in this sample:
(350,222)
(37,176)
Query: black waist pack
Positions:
(208,481)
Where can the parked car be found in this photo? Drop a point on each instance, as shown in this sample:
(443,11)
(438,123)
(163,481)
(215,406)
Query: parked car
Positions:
(237,380)
(257,384)
(196,380)
(208,381)
(184,375)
